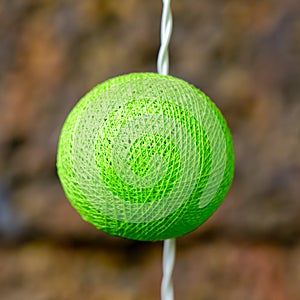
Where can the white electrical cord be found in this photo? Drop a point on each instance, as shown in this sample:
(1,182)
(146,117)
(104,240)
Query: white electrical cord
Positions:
(165,36)
(167,292)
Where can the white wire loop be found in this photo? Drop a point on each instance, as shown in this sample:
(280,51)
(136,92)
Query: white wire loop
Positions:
(165,36)
(167,292)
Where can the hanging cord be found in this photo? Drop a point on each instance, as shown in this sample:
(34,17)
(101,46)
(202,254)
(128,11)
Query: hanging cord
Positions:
(166,291)
(165,36)
(163,69)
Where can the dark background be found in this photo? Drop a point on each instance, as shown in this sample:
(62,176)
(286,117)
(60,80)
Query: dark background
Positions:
(244,54)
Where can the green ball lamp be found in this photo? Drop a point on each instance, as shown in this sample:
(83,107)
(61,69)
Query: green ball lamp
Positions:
(146,157)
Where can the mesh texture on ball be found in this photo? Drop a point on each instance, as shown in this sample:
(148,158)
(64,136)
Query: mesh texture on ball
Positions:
(145,156)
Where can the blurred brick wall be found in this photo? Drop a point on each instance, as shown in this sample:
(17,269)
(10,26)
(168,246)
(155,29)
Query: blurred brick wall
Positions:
(244,54)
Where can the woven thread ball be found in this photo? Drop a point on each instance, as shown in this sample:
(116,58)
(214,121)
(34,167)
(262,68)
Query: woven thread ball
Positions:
(145,157)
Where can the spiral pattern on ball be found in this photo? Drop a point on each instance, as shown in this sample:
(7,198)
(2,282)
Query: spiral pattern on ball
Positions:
(145,156)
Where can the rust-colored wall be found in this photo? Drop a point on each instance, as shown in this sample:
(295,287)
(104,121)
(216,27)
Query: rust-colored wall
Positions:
(244,54)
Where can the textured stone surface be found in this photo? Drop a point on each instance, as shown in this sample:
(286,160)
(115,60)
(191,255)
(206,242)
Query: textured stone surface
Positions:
(244,54)
(214,270)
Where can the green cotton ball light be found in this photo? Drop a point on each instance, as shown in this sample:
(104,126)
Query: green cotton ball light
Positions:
(145,157)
